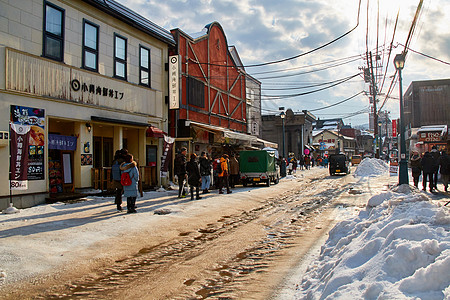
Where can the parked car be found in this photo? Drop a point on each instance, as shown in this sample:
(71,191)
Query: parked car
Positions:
(356,160)
(258,166)
(339,164)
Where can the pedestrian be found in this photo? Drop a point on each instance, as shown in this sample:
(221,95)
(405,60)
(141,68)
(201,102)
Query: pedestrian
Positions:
(428,166)
(312,161)
(223,175)
(444,165)
(216,163)
(416,167)
(301,161)
(325,162)
(115,172)
(307,162)
(180,171)
(294,164)
(435,153)
(205,172)
(290,164)
(130,191)
(282,163)
(234,171)
(194,177)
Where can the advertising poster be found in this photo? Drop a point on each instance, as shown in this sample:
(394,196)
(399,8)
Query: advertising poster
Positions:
(34,118)
(167,155)
(19,157)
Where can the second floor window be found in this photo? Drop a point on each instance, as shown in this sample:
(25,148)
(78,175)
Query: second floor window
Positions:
(144,66)
(120,57)
(53,44)
(90,46)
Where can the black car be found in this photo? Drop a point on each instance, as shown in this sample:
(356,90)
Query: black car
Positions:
(339,164)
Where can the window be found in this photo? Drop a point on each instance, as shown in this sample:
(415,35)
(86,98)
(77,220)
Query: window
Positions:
(120,57)
(53,44)
(196,92)
(90,46)
(144,66)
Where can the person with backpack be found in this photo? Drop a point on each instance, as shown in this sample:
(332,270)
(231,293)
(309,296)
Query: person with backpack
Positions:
(129,180)
(222,170)
(194,177)
(180,171)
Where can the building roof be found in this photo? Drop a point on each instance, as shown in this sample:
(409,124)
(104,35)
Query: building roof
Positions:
(132,18)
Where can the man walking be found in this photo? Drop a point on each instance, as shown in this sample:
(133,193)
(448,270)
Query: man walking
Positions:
(223,176)
(180,171)
(428,170)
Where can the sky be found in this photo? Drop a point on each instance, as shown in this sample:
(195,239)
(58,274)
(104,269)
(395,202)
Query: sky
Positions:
(267,31)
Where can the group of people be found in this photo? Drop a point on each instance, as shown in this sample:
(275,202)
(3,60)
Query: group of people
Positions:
(197,173)
(124,164)
(429,166)
(303,162)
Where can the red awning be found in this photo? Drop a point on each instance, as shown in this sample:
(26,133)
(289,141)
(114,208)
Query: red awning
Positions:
(155,132)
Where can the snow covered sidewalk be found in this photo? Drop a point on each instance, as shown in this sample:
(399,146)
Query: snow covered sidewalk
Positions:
(397,248)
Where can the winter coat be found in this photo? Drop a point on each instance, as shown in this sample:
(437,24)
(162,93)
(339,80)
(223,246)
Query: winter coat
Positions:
(444,164)
(428,163)
(180,165)
(115,170)
(131,190)
(416,165)
(234,166)
(224,165)
(205,166)
(436,156)
(193,173)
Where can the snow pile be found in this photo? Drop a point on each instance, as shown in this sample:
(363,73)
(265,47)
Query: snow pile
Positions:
(371,167)
(399,249)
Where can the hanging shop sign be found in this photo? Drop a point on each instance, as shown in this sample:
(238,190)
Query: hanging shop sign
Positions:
(174,79)
(34,118)
(62,142)
(167,155)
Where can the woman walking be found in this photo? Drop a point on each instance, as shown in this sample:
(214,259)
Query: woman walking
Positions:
(194,177)
(130,186)
(205,172)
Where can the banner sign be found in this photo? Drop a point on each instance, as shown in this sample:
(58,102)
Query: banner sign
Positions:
(167,155)
(62,142)
(174,79)
(430,136)
(34,118)
(394,128)
(19,156)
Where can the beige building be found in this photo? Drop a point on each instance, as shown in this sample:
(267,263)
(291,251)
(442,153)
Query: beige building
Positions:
(327,142)
(89,78)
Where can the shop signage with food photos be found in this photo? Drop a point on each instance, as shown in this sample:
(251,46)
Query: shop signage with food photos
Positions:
(35,119)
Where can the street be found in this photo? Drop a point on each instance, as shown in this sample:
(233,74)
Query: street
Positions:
(239,246)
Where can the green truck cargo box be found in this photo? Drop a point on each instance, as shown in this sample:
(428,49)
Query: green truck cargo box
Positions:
(258,166)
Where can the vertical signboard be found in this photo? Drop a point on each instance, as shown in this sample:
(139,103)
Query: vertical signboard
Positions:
(167,155)
(174,82)
(19,156)
(394,128)
(34,118)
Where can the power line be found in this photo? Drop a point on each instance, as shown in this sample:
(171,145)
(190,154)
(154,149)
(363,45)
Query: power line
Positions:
(426,55)
(337,103)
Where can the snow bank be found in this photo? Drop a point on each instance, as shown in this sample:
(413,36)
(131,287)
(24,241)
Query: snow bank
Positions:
(371,167)
(399,249)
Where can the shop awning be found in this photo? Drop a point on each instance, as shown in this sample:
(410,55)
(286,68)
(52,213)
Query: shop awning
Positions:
(267,143)
(227,134)
(155,132)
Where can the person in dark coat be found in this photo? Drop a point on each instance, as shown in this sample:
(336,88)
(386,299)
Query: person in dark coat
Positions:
(194,177)
(205,172)
(428,166)
(234,171)
(435,153)
(115,170)
(180,171)
(444,166)
(416,167)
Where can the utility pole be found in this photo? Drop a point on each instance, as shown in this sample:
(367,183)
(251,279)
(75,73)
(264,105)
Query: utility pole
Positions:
(373,92)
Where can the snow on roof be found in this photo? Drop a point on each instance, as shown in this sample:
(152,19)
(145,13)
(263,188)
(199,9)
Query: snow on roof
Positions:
(441,128)
(197,35)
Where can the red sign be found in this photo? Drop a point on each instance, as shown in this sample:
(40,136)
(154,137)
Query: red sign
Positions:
(394,128)
(430,136)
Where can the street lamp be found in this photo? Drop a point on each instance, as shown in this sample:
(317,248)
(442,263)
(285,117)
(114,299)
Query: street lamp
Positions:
(399,62)
(283,115)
